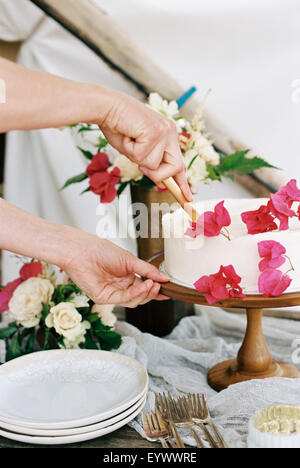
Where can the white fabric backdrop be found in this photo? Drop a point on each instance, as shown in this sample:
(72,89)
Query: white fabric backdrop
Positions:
(246,51)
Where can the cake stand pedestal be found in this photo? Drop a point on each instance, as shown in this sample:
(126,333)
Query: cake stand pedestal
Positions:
(254,360)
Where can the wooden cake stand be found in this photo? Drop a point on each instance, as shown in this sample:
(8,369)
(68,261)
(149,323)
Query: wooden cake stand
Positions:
(254,360)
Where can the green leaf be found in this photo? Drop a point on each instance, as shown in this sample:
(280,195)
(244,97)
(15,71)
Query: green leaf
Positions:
(192,161)
(86,128)
(30,343)
(13,350)
(64,291)
(9,331)
(213,173)
(89,342)
(122,187)
(110,340)
(144,182)
(102,143)
(45,312)
(88,189)
(48,335)
(238,162)
(75,180)
(86,154)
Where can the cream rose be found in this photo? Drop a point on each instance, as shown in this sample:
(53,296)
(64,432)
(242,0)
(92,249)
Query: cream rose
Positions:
(67,322)
(105,312)
(26,304)
(79,300)
(167,109)
(197,172)
(128,170)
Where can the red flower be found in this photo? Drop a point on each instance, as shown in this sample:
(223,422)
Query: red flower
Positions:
(272,252)
(223,285)
(30,270)
(104,184)
(7,293)
(273,283)
(259,221)
(100,163)
(210,223)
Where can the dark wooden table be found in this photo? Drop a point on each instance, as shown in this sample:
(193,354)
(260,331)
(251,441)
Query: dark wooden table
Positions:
(123,438)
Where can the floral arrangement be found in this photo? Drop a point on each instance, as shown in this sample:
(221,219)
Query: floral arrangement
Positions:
(109,172)
(48,309)
(274,216)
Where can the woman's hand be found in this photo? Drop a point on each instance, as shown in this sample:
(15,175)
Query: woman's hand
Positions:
(107,273)
(146,138)
(39,100)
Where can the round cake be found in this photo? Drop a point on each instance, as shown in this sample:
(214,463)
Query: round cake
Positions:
(188,259)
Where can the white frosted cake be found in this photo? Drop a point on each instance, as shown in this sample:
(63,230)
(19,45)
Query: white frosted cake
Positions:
(187,259)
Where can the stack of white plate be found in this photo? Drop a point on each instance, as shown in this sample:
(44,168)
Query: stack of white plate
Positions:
(63,397)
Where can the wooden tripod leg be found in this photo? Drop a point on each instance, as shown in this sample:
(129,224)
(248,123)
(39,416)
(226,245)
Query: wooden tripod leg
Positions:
(254,360)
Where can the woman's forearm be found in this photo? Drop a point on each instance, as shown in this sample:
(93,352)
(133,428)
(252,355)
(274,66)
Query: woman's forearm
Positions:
(36,100)
(26,234)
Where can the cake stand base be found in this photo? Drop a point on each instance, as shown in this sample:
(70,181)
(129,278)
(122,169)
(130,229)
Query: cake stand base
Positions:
(226,373)
(254,360)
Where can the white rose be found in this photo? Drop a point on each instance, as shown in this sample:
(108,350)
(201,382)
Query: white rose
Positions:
(167,109)
(128,170)
(79,300)
(105,312)
(197,173)
(26,304)
(67,321)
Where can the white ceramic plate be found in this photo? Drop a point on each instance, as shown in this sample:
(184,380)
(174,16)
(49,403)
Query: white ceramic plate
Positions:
(64,389)
(72,431)
(63,440)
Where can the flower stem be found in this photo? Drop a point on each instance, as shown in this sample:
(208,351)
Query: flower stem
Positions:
(226,234)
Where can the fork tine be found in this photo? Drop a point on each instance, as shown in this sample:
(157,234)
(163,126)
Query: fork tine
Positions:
(208,435)
(212,424)
(199,442)
(177,437)
(146,424)
(205,408)
(200,408)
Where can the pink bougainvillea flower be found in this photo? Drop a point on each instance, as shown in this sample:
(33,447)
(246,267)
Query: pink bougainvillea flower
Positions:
(287,195)
(7,293)
(223,285)
(210,223)
(281,203)
(31,270)
(272,253)
(259,221)
(282,217)
(273,283)
(104,184)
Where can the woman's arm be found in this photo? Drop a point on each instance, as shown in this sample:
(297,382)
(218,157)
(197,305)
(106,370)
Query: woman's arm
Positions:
(102,270)
(36,100)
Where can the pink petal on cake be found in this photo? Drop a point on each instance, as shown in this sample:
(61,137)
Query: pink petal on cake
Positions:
(222,215)
(273,283)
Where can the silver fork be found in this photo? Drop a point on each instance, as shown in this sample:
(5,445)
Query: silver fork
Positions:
(200,414)
(177,412)
(156,428)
